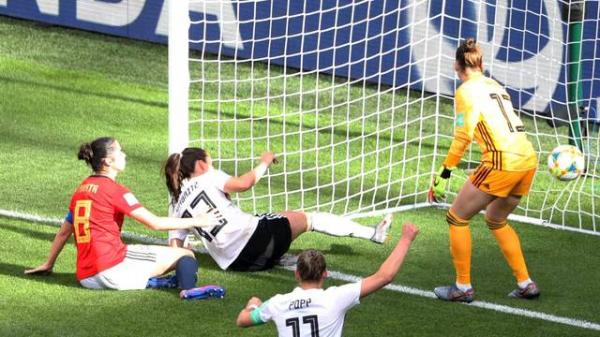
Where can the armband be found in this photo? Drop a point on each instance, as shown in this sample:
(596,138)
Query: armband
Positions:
(255,315)
(260,171)
(69,217)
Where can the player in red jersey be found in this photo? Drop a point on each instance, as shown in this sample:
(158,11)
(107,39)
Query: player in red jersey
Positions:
(96,212)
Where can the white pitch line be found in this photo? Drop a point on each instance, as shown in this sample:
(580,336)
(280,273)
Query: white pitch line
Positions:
(350,278)
(480,304)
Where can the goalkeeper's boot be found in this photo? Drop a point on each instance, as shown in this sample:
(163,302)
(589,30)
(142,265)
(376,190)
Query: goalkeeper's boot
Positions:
(530,292)
(381,231)
(162,282)
(200,293)
(452,293)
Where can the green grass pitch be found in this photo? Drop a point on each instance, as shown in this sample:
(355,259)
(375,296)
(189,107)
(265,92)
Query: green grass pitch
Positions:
(61,87)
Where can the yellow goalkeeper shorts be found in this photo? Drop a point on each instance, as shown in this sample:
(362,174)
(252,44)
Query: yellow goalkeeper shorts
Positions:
(502,183)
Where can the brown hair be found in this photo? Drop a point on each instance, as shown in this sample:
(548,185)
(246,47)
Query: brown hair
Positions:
(469,55)
(311,265)
(93,153)
(180,166)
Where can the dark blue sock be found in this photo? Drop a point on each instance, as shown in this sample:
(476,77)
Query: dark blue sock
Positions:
(186,270)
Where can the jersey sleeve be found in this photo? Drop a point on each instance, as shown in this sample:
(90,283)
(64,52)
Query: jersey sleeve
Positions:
(346,296)
(124,201)
(465,122)
(220,179)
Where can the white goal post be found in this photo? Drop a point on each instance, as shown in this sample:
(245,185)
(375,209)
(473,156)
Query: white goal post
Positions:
(356,97)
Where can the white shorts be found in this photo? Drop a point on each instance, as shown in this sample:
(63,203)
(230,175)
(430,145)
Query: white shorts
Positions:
(133,272)
(180,234)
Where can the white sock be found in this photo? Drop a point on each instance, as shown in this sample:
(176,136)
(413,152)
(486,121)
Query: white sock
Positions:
(336,225)
(463,287)
(525,283)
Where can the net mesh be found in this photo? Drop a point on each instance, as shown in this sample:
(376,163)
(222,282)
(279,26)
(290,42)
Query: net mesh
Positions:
(356,98)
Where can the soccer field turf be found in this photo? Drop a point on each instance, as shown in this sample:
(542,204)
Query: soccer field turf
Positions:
(61,87)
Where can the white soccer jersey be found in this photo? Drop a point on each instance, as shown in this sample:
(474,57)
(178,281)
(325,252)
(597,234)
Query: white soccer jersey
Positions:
(310,312)
(204,194)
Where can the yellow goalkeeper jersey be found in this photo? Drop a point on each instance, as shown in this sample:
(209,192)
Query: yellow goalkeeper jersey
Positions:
(484,112)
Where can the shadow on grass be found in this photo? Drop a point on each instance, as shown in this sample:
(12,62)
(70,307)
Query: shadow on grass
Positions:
(15,270)
(334,248)
(82,92)
(29,232)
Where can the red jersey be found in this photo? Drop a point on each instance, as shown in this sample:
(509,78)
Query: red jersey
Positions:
(99,206)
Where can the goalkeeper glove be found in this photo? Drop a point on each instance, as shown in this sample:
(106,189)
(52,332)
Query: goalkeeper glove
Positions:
(437,192)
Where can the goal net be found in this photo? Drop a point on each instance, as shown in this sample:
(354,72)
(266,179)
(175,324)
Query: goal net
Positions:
(356,97)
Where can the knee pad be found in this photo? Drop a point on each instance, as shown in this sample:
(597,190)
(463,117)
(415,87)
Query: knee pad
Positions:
(455,220)
(494,224)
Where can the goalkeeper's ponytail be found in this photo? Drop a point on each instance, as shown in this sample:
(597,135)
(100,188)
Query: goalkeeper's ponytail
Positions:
(469,55)
(180,166)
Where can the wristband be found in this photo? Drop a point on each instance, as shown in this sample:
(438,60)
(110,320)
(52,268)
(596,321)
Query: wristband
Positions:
(260,171)
(252,307)
(255,316)
(446,173)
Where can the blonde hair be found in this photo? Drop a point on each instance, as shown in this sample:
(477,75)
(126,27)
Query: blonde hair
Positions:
(469,55)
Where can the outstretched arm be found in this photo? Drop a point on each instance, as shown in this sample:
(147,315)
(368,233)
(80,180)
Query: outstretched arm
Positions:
(245,317)
(152,221)
(390,267)
(60,239)
(250,178)
(465,122)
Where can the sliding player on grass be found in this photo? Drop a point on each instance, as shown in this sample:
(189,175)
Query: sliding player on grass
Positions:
(95,218)
(310,310)
(508,163)
(241,241)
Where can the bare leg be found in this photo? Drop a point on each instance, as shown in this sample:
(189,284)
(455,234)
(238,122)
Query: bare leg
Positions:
(176,243)
(470,201)
(167,258)
(501,208)
(298,222)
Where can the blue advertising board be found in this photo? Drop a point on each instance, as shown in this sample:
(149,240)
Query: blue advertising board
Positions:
(393,42)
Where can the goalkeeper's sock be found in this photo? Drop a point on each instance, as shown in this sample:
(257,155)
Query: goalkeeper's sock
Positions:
(509,243)
(336,225)
(525,283)
(464,287)
(460,247)
(186,270)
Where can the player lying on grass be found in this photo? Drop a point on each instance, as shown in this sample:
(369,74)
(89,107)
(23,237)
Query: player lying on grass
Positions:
(95,218)
(310,310)
(242,241)
(508,163)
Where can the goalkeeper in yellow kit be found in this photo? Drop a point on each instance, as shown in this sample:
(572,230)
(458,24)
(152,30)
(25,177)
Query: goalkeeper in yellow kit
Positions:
(484,112)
